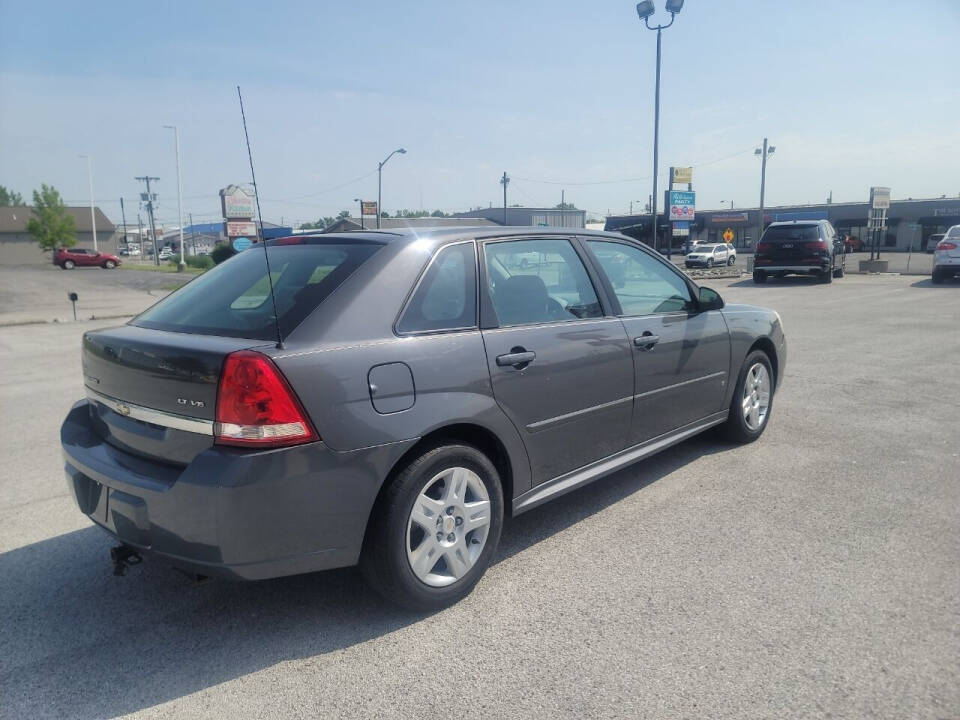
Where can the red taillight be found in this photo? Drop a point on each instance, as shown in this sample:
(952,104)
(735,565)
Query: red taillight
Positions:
(946,245)
(256,406)
(764,247)
(819,245)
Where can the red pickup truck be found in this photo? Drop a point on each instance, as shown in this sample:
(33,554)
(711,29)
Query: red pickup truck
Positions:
(69,258)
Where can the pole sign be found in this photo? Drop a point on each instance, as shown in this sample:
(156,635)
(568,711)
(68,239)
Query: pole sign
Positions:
(368,208)
(682,205)
(681,228)
(241,228)
(237,203)
(879,198)
(241,243)
(682,175)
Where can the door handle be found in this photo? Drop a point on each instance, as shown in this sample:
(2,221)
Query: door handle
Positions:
(646,341)
(518,359)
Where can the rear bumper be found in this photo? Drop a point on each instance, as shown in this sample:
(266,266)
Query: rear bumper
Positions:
(798,269)
(231,512)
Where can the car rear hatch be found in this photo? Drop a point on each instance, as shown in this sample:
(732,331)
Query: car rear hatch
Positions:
(789,245)
(153,383)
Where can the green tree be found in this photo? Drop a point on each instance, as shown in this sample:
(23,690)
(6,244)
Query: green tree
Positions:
(9,198)
(50,225)
(565,206)
(343,215)
(438,213)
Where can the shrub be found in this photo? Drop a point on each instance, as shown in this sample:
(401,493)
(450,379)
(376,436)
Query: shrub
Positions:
(221,253)
(204,262)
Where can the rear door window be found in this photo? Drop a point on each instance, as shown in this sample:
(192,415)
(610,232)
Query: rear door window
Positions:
(446,298)
(233,299)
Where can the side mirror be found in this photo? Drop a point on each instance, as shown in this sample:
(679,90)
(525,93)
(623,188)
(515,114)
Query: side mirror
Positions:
(709,299)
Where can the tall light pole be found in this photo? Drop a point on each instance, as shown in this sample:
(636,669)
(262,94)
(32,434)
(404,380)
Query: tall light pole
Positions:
(176,138)
(644,10)
(93,216)
(505,180)
(763,153)
(358,200)
(380,183)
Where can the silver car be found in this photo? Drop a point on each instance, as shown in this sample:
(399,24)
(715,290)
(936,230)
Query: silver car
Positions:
(390,397)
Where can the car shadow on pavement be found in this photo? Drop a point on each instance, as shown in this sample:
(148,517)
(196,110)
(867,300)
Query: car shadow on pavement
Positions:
(773,282)
(928,283)
(80,642)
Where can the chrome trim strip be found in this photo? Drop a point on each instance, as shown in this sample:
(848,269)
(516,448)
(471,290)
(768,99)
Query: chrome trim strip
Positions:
(540,424)
(648,393)
(154,417)
(790,268)
(578,478)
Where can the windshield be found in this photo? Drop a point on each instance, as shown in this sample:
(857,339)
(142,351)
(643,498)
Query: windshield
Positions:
(233,299)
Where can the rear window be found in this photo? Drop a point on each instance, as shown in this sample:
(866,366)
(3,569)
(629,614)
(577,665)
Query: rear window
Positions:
(954,232)
(786,233)
(233,299)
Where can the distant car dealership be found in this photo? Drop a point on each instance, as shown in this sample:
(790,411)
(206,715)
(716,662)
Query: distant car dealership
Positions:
(910,222)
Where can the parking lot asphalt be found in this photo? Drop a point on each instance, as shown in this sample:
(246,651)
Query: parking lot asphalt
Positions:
(813,573)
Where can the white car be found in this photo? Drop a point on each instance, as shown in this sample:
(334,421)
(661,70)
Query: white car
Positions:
(946,256)
(710,254)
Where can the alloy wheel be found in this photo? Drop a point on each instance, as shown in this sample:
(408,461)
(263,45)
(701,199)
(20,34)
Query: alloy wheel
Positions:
(448,526)
(756,396)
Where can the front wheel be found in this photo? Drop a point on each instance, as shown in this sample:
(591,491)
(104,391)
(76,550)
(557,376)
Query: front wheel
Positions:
(434,529)
(109,265)
(69,265)
(752,399)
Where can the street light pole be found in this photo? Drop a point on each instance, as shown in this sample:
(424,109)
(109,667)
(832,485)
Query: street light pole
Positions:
(644,11)
(505,180)
(765,152)
(380,183)
(93,216)
(176,135)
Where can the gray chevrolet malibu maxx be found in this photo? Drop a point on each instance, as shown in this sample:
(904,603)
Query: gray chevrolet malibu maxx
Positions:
(396,395)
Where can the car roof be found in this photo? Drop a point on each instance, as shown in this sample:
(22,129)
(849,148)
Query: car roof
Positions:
(781,223)
(435,236)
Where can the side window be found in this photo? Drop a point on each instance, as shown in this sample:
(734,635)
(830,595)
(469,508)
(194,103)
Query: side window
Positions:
(446,298)
(537,281)
(642,284)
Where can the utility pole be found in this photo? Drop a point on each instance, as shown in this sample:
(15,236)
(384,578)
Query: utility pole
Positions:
(93,216)
(140,234)
(123,214)
(563,208)
(504,181)
(153,223)
(193,235)
(766,152)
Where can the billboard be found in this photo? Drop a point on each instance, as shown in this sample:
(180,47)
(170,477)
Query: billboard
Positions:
(241,229)
(682,175)
(368,208)
(681,205)
(237,203)
(880,198)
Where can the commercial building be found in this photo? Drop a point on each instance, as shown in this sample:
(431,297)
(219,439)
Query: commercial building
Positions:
(909,222)
(17,246)
(525,216)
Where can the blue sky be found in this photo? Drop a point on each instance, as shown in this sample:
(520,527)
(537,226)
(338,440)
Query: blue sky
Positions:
(558,94)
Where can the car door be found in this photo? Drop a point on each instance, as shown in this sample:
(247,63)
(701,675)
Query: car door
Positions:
(681,356)
(560,369)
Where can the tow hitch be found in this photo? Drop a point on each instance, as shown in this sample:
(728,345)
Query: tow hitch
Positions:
(123,557)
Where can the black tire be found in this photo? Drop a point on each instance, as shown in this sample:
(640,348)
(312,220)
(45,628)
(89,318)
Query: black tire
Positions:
(759,277)
(383,561)
(936,277)
(68,265)
(709,262)
(109,265)
(826,277)
(735,428)
(732,260)
(839,272)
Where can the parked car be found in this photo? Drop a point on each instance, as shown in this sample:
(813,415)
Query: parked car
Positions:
(933,241)
(709,255)
(851,243)
(946,257)
(165,254)
(799,248)
(69,258)
(418,388)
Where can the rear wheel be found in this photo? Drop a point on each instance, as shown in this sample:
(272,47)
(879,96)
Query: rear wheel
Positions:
(759,277)
(937,277)
(826,276)
(839,272)
(752,399)
(69,265)
(109,265)
(709,262)
(434,529)
(732,260)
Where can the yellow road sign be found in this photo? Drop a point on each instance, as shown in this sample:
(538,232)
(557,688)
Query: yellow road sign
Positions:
(728,235)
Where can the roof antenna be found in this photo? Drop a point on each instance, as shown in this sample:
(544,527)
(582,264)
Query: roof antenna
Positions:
(263,240)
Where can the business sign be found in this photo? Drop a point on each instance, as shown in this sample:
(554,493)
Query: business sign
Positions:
(729,218)
(239,229)
(946,212)
(237,203)
(681,205)
(880,198)
(681,228)
(682,175)
(241,243)
(368,208)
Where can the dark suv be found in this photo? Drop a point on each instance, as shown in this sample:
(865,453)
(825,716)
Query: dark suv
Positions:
(397,395)
(799,248)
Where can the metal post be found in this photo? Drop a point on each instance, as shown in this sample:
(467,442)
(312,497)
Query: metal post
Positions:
(763,187)
(176,135)
(504,181)
(140,234)
(93,216)
(563,208)
(193,235)
(656,143)
(123,215)
(379,192)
